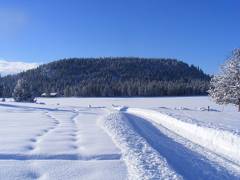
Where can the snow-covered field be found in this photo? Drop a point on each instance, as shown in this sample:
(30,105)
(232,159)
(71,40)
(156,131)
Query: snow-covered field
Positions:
(119,138)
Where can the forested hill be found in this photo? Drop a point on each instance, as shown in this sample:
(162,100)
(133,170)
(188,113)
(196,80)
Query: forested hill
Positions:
(112,77)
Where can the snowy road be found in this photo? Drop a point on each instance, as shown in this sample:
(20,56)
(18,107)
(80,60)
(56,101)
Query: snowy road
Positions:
(185,161)
(152,151)
(74,141)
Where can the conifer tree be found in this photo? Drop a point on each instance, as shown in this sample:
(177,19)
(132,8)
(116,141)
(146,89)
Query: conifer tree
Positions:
(22,92)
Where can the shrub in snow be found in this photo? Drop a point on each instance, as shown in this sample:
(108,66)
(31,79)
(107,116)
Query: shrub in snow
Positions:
(225,87)
(22,92)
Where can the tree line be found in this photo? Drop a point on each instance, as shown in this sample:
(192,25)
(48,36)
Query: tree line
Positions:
(108,77)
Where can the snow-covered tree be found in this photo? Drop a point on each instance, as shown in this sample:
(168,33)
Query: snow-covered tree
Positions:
(22,92)
(225,87)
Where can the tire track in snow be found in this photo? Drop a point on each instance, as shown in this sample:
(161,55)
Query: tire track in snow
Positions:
(143,161)
(188,163)
(224,143)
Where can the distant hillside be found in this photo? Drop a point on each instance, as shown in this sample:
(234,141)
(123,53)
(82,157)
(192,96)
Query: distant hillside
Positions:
(113,77)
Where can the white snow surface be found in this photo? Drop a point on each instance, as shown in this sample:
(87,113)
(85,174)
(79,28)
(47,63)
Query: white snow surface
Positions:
(119,138)
(222,142)
(143,161)
(44,142)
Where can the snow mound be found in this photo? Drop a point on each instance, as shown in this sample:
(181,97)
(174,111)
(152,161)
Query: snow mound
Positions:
(221,142)
(206,109)
(142,160)
(182,108)
(119,108)
(163,107)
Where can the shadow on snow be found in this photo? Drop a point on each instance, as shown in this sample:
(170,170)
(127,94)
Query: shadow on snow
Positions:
(189,164)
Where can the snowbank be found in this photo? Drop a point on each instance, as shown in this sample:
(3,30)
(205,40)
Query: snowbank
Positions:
(142,160)
(224,143)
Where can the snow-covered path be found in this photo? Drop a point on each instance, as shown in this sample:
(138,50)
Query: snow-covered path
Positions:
(185,161)
(151,151)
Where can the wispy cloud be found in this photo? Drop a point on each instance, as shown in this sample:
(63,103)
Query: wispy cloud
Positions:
(11,67)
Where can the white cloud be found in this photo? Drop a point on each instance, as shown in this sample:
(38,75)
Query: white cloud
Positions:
(10,67)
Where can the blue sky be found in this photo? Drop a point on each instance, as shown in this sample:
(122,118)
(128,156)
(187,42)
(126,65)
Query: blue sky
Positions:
(198,32)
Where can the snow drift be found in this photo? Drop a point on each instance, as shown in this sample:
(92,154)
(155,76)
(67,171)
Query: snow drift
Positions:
(224,143)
